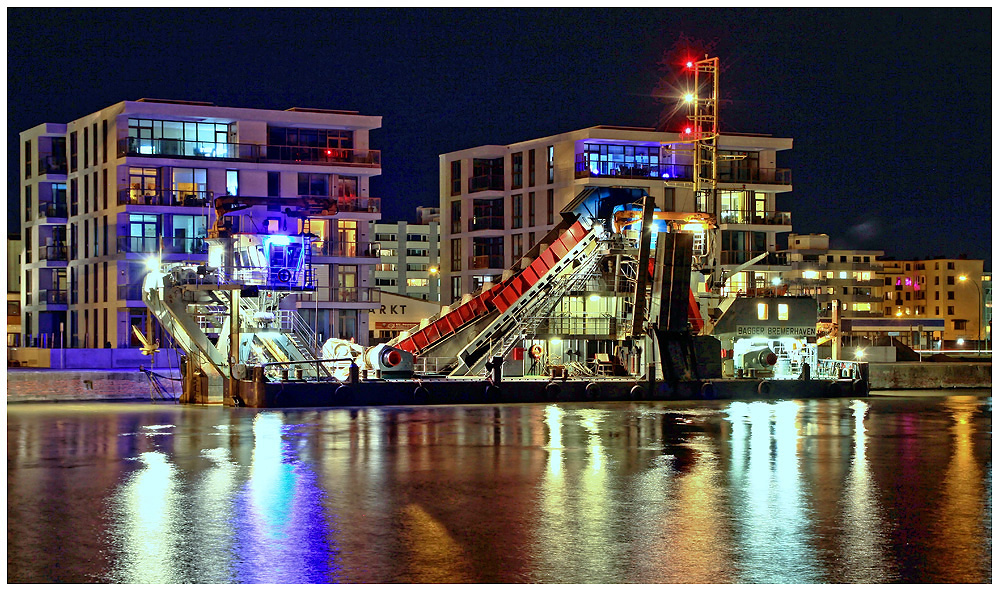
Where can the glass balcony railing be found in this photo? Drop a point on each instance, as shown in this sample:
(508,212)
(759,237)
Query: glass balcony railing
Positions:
(486,183)
(761,176)
(622,170)
(52,210)
(248,152)
(164,197)
(751,217)
(486,223)
(345,249)
(741,257)
(359,204)
(486,262)
(53,297)
(51,165)
(151,244)
(53,253)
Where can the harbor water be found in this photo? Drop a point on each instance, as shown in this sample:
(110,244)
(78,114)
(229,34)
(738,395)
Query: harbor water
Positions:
(896,487)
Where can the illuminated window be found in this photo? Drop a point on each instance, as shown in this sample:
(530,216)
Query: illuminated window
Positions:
(843,275)
(810,275)
(416,282)
(866,276)
(861,306)
(762,311)
(829,275)
(782,312)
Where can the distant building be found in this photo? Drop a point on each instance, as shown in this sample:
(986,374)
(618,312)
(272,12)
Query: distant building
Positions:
(14,246)
(950,289)
(497,201)
(397,313)
(844,278)
(103,194)
(409,259)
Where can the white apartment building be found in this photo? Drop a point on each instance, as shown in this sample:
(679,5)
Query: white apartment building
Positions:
(103,194)
(497,201)
(409,259)
(846,278)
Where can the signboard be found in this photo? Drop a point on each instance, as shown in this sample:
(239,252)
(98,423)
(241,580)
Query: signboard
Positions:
(394,326)
(775,331)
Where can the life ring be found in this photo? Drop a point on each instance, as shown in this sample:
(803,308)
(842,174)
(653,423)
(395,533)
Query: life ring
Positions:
(536,351)
(284,276)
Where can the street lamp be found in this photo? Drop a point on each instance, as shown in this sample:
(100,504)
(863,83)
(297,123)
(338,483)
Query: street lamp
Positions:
(979,314)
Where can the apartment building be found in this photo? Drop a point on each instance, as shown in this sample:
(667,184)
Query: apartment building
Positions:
(106,193)
(497,201)
(949,289)
(844,278)
(409,259)
(14,290)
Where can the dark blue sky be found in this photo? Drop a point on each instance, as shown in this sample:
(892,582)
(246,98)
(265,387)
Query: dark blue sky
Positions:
(889,109)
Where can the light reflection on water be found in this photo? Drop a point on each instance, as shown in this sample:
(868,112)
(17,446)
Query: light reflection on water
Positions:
(874,490)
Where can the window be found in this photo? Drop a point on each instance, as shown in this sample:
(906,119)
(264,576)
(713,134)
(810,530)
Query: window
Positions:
(531,240)
(782,312)
(951,310)
(762,311)
(515,211)
(27,203)
(27,159)
(104,141)
(951,295)
(232,182)
(550,157)
(382,282)
(531,168)
(516,246)
(456,217)
(888,281)
(105,186)
(456,177)
(516,170)
(144,233)
(86,151)
(959,324)
(937,310)
(487,174)
(550,206)
(417,282)
(273,184)
(416,252)
(531,208)
(190,185)
(86,194)
(73,156)
(314,184)
(951,265)
(456,254)
(937,280)
(456,288)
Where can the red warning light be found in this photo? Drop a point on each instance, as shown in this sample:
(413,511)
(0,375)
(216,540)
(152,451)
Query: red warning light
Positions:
(329,152)
(687,130)
(689,65)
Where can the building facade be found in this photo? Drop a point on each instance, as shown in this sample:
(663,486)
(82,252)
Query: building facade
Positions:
(949,289)
(106,193)
(498,201)
(848,279)
(409,259)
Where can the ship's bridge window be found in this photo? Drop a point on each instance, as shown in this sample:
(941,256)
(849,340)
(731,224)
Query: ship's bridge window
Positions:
(762,311)
(782,312)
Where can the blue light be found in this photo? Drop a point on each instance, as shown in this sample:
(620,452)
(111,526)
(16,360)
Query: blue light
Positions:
(278,239)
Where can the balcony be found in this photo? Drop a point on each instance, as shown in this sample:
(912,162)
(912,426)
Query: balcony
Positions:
(249,152)
(620,170)
(486,262)
(751,217)
(741,257)
(131,292)
(345,249)
(52,210)
(486,223)
(757,176)
(53,253)
(486,183)
(346,295)
(359,204)
(151,244)
(56,297)
(51,165)
(164,197)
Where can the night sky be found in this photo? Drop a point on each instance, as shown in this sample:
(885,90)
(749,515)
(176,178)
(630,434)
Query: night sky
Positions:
(889,109)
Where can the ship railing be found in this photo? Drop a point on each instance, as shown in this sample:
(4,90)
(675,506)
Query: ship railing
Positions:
(836,369)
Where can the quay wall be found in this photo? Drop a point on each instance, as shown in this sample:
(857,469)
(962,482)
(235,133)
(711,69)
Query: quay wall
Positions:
(30,385)
(930,375)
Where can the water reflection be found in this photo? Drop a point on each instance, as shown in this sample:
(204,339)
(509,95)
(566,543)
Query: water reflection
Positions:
(873,490)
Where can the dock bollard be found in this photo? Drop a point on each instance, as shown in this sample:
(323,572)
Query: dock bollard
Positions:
(353,373)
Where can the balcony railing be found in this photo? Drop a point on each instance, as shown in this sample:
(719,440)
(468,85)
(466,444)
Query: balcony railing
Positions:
(373,295)
(486,223)
(51,165)
(164,197)
(486,183)
(345,249)
(752,217)
(130,292)
(52,210)
(53,253)
(761,176)
(597,168)
(249,152)
(151,244)
(53,296)
(740,257)
(486,262)
(359,204)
